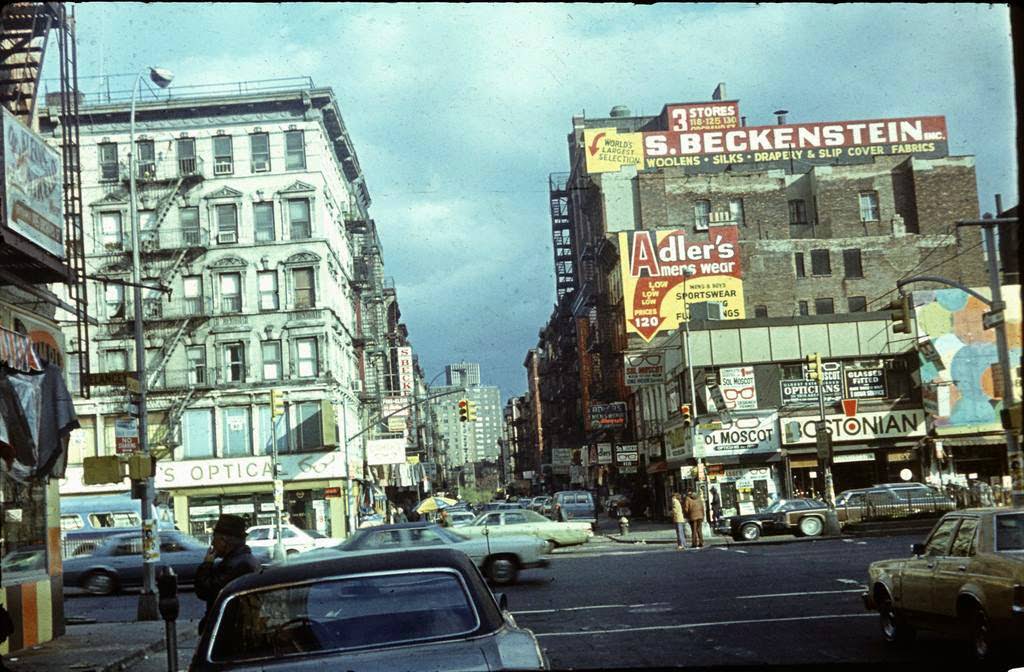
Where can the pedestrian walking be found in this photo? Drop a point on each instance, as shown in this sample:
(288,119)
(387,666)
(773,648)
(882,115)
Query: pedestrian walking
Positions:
(693,510)
(716,505)
(679,520)
(228,558)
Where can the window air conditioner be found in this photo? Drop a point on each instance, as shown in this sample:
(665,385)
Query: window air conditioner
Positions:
(260,166)
(231,237)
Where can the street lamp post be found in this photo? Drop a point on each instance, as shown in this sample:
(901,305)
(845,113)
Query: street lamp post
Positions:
(148,603)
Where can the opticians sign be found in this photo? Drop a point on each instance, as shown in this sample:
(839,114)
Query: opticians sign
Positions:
(741,435)
(805,391)
(644,368)
(664,271)
(863,426)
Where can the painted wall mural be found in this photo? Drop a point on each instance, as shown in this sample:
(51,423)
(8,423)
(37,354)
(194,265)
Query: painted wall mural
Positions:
(963,392)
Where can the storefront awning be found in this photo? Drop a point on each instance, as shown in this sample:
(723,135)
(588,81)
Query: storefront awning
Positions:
(658,467)
(733,460)
(991,440)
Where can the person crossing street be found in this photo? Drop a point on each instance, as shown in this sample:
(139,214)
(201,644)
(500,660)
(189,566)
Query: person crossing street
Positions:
(693,510)
(679,521)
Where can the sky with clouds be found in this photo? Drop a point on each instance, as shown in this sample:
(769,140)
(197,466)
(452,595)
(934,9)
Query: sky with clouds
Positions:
(459,112)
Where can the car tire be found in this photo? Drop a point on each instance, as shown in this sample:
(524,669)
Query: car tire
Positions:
(99,583)
(750,532)
(980,635)
(811,526)
(895,628)
(502,570)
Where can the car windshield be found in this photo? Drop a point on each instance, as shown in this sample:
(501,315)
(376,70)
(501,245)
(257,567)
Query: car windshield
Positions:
(777,505)
(375,610)
(1009,532)
(315,534)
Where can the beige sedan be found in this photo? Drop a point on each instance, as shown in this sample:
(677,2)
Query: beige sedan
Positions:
(496,523)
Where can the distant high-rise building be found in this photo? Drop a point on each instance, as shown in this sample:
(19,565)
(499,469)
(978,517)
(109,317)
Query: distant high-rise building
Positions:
(465,373)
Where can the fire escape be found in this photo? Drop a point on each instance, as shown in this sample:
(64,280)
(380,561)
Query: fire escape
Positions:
(25,29)
(561,233)
(369,282)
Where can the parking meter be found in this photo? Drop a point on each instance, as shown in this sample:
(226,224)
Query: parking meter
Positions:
(167,587)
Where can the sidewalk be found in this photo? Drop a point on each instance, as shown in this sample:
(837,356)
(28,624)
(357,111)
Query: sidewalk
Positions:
(104,647)
(655,532)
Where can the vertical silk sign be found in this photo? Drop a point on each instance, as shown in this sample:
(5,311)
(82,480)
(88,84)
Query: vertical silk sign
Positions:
(664,271)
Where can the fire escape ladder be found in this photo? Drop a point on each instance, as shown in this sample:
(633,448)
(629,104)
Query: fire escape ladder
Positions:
(168,274)
(24,35)
(168,437)
(163,355)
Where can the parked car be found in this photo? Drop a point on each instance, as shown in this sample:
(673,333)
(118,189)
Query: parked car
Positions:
(802,517)
(967,578)
(892,500)
(294,539)
(460,518)
(500,558)
(88,520)
(537,503)
(424,609)
(117,562)
(617,506)
(574,505)
(502,523)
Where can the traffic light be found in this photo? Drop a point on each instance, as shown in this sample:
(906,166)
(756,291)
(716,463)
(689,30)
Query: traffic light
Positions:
(900,314)
(463,410)
(814,367)
(471,411)
(276,403)
(687,417)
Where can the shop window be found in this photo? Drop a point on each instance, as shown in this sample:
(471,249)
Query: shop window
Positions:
(236,437)
(792,372)
(197,432)
(223,155)
(263,219)
(295,150)
(259,146)
(108,160)
(24,531)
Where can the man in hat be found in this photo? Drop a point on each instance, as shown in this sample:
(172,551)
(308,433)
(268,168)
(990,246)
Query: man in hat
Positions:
(236,560)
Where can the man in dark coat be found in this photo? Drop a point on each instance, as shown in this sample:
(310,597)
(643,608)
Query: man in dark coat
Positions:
(693,510)
(236,560)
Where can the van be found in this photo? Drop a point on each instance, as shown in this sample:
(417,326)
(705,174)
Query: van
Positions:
(86,521)
(574,505)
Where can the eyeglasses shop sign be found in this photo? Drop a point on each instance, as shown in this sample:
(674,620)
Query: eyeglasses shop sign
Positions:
(195,473)
(741,436)
(643,368)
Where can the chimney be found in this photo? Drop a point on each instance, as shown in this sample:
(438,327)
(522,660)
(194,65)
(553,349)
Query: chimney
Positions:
(743,121)
(780,115)
(719,93)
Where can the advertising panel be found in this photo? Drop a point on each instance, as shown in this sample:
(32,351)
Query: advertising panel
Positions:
(390,407)
(385,451)
(608,416)
(607,150)
(718,115)
(819,143)
(644,368)
(604,453)
(561,458)
(741,435)
(805,391)
(34,186)
(738,389)
(867,383)
(405,374)
(627,456)
(895,424)
(654,267)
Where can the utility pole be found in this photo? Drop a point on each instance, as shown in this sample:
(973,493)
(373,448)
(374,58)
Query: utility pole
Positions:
(276,411)
(823,438)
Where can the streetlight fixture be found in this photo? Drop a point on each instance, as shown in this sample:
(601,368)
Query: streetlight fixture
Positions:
(148,603)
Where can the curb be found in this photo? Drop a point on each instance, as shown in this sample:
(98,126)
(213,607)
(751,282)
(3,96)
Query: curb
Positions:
(728,542)
(139,655)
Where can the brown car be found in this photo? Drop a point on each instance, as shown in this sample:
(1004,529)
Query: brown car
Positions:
(967,578)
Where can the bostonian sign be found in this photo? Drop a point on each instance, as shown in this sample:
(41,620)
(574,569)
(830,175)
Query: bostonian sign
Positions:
(861,427)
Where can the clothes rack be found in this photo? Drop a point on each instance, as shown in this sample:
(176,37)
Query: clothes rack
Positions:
(16,351)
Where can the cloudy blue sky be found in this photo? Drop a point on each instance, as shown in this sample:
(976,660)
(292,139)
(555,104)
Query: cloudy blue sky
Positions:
(459,112)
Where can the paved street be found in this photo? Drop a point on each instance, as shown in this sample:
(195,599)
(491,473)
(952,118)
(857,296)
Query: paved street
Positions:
(631,605)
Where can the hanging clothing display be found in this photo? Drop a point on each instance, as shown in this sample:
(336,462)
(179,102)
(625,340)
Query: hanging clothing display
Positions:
(36,419)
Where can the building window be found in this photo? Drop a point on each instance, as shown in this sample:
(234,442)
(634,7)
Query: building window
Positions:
(306,357)
(792,372)
(760,311)
(851,264)
(197,432)
(824,307)
(797,211)
(231,292)
(268,290)
(307,426)
(263,218)
(223,155)
(115,360)
(869,206)
(187,156)
(303,282)
(113,299)
(803,308)
(192,286)
(196,357)
(188,218)
(259,148)
(820,263)
(295,150)
(146,161)
(801,270)
(110,231)
(701,215)
(299,227)
(108,161)
(236,435)
(271,360)
(857,304)
(736,211)
(234,363)
(227,224)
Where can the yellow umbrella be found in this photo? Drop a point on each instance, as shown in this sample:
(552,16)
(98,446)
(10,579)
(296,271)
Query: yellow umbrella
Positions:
(434,504)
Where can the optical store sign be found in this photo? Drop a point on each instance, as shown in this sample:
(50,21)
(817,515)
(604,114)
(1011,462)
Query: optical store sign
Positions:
(861,427)
(200,473)
(664,272)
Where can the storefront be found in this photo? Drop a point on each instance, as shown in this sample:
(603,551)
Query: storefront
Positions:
(742,460)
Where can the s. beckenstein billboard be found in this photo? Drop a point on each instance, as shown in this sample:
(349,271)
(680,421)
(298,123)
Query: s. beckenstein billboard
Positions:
(664,272)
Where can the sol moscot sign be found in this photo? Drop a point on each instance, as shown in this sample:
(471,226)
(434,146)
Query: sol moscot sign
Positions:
(861,427)
(655,265)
